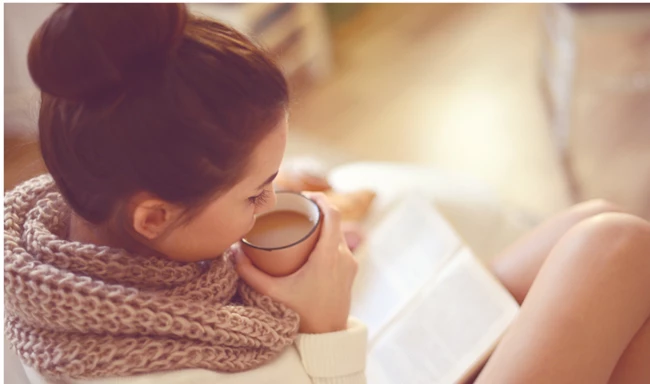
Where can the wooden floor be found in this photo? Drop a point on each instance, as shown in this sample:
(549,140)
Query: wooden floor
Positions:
(453,86)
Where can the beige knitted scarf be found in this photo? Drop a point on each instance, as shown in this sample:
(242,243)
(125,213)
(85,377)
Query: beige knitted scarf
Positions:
(76,310)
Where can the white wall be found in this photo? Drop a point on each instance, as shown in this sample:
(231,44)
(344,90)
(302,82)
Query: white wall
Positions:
(21,96)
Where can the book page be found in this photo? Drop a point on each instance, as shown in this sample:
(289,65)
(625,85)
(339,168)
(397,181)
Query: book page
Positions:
(447,330)
(401,255)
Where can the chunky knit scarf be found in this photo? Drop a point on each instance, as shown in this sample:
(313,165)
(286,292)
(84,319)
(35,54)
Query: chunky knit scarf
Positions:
(76,310)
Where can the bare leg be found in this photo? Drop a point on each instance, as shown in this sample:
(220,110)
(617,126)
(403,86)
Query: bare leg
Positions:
(633,367)
(585,319)
(518,265)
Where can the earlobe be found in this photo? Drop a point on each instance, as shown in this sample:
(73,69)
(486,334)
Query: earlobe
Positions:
(151,218)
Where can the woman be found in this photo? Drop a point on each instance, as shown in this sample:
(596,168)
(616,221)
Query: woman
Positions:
(162,134)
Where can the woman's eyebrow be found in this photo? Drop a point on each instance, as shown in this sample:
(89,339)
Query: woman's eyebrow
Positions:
(268,181)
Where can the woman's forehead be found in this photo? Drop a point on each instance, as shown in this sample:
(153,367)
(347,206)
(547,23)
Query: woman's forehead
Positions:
(266,156)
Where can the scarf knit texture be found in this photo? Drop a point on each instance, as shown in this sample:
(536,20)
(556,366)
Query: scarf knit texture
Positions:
(76,310)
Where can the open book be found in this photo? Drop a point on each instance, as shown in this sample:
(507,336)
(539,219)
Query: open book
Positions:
(434,312)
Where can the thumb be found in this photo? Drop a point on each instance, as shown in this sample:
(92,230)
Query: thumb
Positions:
(257,279)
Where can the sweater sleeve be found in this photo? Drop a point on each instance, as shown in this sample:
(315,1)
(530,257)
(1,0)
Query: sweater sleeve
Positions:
(337,357)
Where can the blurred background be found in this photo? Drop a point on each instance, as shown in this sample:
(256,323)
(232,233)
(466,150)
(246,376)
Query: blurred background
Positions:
(547,105)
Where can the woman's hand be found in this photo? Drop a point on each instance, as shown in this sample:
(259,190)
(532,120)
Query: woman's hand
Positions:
(320,291)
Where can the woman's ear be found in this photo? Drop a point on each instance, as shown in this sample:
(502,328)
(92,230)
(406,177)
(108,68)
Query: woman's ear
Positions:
(153,217)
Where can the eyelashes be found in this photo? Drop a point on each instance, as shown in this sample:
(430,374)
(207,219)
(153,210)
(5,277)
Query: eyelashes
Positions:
(259,199)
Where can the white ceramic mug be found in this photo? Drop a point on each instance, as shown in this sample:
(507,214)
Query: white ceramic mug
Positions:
(285,259)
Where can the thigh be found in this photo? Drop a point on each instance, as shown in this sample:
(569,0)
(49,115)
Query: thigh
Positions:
(634,365)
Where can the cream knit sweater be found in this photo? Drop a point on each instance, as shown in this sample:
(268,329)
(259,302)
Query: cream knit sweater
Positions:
(86,314)
(332,358)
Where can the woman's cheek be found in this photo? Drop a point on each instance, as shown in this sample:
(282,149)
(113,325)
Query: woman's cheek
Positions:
(250,223)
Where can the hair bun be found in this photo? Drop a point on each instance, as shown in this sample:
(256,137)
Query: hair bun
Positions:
(87,50)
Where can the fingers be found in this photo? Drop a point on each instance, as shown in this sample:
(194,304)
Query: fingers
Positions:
(257,279)
(353,234)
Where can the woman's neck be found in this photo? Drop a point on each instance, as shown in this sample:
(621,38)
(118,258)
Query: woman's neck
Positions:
(84,232)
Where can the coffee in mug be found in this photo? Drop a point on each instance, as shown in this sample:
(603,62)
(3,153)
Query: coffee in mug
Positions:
(279,228)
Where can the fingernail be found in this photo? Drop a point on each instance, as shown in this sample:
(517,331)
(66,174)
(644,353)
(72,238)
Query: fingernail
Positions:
(237,255)
(240,257)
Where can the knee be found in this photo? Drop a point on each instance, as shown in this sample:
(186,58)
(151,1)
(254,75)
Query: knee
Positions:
(616,225)
(615,237)
(595,207)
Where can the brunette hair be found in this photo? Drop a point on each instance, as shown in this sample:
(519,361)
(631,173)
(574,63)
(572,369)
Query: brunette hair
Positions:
(145,97)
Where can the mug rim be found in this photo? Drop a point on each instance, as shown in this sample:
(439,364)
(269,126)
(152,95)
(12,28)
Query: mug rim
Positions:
(311,231)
